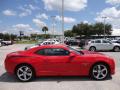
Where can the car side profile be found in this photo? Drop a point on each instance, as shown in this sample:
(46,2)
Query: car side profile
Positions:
(102,44)
(58,60)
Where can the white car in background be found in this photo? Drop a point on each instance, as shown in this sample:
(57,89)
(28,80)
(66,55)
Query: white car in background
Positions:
(0,44)
(102,45)
(54,40)
(42,43)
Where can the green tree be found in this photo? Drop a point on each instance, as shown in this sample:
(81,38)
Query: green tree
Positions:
(68,33)
(92,29)
(33,36)
(75,30)
(6,36)
(13,37)
(108,29)
(1,35)
(82,29)
(45,29)
(99,29)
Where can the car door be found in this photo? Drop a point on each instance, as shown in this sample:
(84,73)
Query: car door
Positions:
(58,61)
(107,45)
(98,44)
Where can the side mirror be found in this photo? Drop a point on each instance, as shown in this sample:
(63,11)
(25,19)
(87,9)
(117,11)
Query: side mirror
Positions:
(72,54)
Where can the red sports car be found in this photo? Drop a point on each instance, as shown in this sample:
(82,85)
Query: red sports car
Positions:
(58,60)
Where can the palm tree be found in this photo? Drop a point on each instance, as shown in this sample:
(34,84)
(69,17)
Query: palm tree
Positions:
(45,29)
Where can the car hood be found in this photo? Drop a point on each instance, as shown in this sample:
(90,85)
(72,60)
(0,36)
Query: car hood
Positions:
(92,55)
(116,44)
(90,52)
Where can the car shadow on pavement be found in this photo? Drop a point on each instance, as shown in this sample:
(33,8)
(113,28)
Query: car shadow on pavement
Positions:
(8,78)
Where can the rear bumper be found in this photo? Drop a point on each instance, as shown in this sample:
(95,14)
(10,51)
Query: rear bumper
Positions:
(10,66)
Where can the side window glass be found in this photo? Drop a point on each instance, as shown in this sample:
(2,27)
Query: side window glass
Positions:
(60,52)
(40,52)
(46,52)
(92,41)
(98,41)
(104,41)
(53,52)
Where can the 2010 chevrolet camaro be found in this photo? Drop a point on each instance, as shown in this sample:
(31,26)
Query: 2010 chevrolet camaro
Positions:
(58,60)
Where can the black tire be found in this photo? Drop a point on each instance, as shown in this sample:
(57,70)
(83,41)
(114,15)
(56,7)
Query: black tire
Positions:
(92,48)
(105,74)
(30,73)
(116,49)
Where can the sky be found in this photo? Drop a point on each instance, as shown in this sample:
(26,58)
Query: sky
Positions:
(30,16)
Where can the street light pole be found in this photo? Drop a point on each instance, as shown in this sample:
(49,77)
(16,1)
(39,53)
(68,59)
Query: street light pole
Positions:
(62,21)
(104,25)
(53,25)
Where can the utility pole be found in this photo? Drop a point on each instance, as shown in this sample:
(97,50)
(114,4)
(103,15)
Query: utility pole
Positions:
(10,37)
(104,25)
(62,21)
(53,25)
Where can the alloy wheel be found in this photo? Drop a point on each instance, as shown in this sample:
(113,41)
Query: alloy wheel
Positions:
(100,71)
(24,73)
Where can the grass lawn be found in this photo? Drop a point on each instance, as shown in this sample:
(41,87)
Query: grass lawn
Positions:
(26,42)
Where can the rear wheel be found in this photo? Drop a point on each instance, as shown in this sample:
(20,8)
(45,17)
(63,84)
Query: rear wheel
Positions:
(25,73)
(100,71)
(92,49)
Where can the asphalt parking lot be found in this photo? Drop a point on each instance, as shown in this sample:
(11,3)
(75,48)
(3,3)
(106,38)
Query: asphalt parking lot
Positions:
(8,82)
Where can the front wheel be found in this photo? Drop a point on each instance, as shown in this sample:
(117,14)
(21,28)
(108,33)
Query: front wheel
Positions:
(24,73)
(100,71)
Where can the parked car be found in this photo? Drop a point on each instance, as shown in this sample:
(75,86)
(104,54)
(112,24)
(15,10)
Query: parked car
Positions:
(102,44)
(58,60)
(55,40)
(116,41)
(0,44)
(41,43)
(72,42)
(4,43)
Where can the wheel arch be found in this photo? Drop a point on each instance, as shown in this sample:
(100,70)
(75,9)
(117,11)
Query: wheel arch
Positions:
(27,65)
(100,62)
(116,46)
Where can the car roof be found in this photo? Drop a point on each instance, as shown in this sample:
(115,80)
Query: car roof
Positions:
(97,39)
(52,45)
(48,46)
